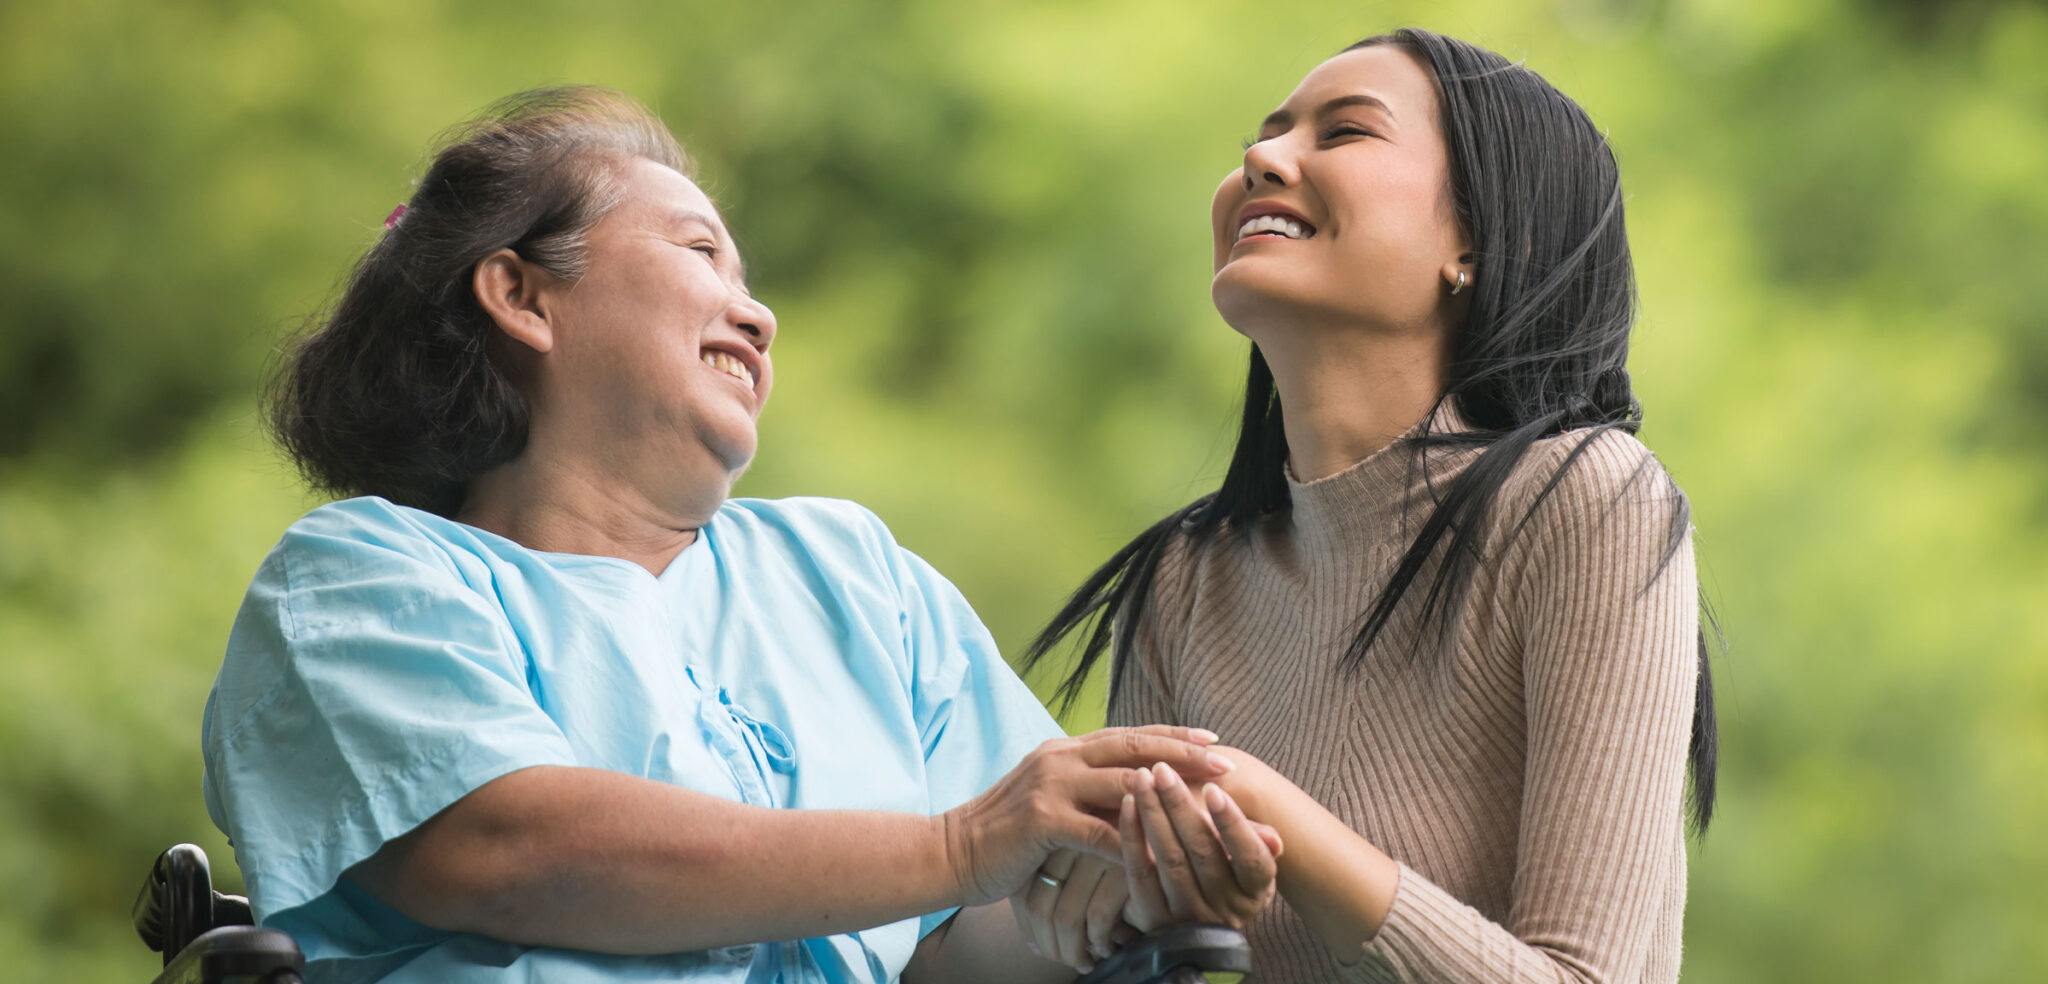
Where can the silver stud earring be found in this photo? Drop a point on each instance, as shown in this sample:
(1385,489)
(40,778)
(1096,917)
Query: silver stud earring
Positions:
(1460,285)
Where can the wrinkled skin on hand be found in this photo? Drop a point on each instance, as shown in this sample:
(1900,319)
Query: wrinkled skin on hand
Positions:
(1095,908)
(1058,798)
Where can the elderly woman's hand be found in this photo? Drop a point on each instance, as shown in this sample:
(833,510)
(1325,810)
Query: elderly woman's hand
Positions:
(1074,913)
(1058,797)
(1193,857)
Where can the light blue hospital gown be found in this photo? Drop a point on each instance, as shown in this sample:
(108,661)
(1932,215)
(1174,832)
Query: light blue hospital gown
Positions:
(387,661)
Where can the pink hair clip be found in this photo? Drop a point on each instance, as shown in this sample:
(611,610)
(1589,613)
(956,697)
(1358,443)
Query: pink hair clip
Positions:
(396,214)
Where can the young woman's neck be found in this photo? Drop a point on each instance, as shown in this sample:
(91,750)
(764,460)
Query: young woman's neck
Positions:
(1346,393)
(562,503)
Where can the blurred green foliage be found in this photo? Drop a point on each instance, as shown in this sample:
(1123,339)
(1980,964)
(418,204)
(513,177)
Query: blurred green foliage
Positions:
(983,225)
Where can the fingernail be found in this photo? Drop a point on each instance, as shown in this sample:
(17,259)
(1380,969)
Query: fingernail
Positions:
(1033,947)
(1215,797)
(1086,966)
(1167,777)
(1205,736)
(1218,762)
(1144,781)
(1130,801)
(1100,951)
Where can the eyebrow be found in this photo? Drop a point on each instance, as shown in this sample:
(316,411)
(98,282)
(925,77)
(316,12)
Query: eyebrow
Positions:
(1281,117)
(680,216)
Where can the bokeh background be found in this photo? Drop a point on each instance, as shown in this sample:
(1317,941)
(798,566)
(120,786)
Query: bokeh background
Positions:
(983,225)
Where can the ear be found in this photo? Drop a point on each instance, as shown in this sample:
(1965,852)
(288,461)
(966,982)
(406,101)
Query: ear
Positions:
(509,289)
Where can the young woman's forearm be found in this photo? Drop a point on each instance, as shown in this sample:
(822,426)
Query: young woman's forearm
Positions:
(1337,881)
(597,860)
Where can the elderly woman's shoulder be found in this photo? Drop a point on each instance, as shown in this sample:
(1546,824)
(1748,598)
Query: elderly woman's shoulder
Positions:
(813,523)
(805,512)
(371,520)
(368,533)
(360,512)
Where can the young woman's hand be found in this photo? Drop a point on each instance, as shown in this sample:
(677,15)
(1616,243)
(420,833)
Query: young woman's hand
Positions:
(1193,857)
(1058,797)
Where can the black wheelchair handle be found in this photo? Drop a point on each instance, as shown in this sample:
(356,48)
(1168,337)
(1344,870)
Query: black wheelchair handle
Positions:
(176,902)
(236,953)
(1180,952)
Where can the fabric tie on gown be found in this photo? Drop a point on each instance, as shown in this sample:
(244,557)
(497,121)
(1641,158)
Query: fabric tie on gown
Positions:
(742,739)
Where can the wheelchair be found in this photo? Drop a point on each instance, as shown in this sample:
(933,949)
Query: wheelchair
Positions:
(210,938)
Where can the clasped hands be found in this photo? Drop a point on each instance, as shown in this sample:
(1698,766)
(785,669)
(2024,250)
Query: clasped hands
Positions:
(1188,854)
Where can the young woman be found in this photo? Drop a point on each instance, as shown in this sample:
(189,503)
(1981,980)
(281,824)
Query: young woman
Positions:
(1444,602)
(540,702)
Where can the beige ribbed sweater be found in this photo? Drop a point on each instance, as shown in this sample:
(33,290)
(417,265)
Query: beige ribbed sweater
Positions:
(1529,777)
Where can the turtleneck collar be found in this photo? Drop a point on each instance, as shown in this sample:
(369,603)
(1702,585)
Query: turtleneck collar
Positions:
(1380,497)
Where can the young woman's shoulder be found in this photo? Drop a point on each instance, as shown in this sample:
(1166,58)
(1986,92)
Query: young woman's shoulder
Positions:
(1182,556)
(1169,587)
(1591,477)
(1589,461)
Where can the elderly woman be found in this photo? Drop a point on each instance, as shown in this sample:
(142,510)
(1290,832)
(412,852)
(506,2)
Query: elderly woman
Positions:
(539,702)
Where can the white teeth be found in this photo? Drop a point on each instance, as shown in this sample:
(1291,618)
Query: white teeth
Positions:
(730,366)
(1273,223)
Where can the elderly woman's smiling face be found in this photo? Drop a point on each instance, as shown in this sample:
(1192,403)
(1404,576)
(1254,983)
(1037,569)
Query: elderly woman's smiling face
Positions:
(653,365)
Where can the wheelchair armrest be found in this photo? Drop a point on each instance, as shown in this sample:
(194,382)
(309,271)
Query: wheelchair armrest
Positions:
(1163,951)
(236,953)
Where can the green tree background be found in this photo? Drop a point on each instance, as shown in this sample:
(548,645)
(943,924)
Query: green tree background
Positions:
(983,225)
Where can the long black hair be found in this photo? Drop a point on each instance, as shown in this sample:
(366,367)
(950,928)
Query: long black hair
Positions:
(1543,351)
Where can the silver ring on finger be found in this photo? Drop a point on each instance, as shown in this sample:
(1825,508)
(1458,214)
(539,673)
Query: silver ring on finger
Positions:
(1048,880)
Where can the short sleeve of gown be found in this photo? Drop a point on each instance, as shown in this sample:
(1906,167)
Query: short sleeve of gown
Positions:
(366,687)
(974,716)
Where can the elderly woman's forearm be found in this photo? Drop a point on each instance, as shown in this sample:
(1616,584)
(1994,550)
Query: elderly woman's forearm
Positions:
(597,860)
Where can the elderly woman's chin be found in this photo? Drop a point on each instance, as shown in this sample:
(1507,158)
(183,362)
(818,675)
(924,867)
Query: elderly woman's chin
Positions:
(736,458)
(701,432)
(732,448)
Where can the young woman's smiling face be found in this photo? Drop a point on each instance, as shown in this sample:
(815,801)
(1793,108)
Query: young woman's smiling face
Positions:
(1342,211)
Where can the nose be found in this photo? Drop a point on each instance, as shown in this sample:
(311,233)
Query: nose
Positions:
(1268,162)
(753,317)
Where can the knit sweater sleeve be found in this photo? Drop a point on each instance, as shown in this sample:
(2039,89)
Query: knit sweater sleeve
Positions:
(1142,691)
(1608,631)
